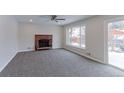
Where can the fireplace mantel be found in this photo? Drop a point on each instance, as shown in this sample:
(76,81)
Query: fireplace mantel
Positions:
(43,42)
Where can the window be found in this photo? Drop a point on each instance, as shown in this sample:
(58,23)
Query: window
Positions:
(76,36)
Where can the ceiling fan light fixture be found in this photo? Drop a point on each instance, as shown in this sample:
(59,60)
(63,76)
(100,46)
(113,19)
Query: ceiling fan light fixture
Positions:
(30,20)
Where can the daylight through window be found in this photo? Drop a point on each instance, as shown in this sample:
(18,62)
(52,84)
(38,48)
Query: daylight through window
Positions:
(76,36)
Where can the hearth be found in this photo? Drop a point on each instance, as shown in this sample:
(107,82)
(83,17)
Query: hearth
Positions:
(43,42)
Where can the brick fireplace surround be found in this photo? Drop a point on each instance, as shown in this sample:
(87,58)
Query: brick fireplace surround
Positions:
(43,42)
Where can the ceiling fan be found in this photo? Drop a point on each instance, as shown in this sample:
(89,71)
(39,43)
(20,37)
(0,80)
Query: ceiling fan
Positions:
(54,18)
(51,18)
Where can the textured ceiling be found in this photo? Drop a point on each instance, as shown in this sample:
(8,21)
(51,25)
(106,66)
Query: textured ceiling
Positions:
(46,19)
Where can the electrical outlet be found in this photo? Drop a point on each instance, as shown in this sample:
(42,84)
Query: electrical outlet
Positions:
(89,54)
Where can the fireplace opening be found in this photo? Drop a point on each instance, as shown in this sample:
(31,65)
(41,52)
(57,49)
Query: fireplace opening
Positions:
(44,43)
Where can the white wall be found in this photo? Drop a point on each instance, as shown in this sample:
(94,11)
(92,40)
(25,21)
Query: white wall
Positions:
(95,37)
(8,39)
(27,32)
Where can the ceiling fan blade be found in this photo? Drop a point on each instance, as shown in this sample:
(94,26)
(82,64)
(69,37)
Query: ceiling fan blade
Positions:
(60,19)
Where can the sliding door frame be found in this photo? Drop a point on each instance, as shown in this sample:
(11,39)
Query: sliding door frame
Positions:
(106,22)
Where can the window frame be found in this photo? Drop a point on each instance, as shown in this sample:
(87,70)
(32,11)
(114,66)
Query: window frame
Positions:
(68,42)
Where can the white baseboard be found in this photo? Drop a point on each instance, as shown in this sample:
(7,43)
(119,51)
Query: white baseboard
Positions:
(8,62)
(26,50)
(84,55)
(93,59)
(34,50)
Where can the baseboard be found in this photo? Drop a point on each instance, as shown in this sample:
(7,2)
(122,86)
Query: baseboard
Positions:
(8,62)
(25,50)
(56,48)
(89,57)
(94,59)
(34,50)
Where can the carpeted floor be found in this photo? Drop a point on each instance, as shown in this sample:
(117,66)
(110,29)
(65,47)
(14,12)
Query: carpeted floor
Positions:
(56,63)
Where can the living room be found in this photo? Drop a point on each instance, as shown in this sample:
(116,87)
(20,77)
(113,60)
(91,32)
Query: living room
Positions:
(84,35)
(66,46)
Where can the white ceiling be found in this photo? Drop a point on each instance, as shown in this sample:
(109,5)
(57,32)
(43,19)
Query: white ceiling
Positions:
(46,19)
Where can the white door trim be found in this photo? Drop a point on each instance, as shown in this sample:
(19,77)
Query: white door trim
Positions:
(106,59)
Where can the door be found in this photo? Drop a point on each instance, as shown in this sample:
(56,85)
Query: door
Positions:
(116,43)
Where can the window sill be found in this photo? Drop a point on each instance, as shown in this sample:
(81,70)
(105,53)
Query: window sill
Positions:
(75,47)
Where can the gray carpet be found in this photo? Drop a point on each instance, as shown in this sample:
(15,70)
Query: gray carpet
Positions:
(56,63)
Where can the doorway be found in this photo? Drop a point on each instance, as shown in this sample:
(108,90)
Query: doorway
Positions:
(116,43)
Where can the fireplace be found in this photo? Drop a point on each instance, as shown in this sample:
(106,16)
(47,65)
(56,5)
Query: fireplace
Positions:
(43,42)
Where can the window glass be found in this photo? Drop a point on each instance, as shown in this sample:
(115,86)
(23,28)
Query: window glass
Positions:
(76,36)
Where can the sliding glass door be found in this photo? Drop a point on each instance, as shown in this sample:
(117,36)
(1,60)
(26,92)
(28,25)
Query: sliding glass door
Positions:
(116,43)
